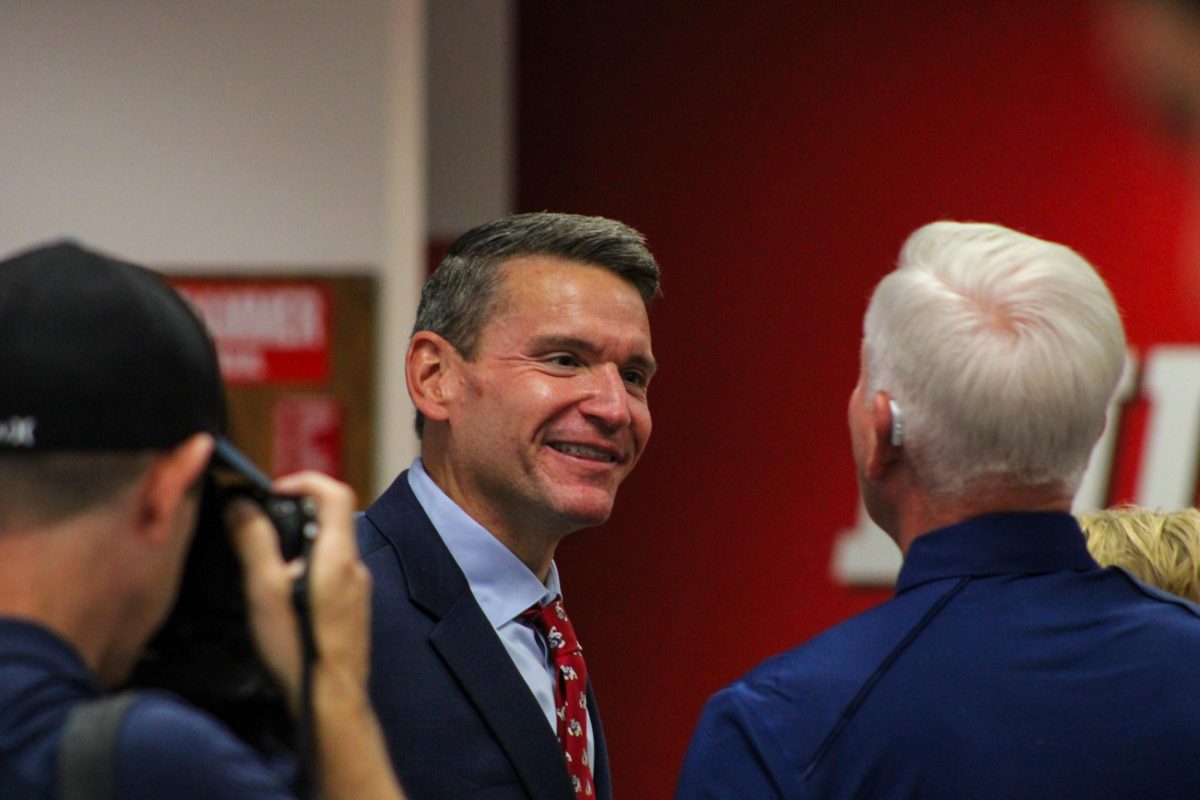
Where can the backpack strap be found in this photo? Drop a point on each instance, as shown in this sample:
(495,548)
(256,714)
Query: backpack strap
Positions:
(87,754)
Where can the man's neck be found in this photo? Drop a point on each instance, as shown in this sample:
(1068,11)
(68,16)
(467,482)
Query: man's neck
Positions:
(54,578)
(530,540)
(533,553)
(922,512)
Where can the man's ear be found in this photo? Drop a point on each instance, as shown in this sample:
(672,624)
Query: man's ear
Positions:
(166,485)
(431,374)
(887,436)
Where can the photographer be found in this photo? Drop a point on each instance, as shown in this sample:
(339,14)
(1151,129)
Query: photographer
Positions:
(110,413)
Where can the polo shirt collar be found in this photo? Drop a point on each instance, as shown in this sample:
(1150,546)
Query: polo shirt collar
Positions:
(997,544)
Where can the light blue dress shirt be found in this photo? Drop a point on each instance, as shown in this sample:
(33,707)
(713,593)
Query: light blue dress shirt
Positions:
(503,587)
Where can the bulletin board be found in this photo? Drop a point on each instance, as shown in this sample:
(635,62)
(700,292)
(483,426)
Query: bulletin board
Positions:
(298,359)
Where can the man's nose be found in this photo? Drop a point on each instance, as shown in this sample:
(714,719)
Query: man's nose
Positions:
(607,398)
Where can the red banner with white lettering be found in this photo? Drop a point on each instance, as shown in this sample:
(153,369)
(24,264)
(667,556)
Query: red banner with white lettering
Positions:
(307,434)
(266,333)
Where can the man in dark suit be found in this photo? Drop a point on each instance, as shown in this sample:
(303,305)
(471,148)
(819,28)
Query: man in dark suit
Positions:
(528,365)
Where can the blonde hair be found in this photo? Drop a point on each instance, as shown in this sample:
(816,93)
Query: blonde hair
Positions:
(1162,548)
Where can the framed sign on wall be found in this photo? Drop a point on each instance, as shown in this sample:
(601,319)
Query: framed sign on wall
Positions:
(298,358)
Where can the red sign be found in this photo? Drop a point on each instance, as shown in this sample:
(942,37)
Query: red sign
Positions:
(307,434)
(265,332)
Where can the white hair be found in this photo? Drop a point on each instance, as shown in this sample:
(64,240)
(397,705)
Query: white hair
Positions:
(1002,352)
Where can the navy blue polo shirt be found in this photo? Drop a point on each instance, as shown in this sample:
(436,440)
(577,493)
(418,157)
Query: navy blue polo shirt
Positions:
(1008,665)
(166,749)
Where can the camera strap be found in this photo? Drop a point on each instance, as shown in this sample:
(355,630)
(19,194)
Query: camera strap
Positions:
(306,745)
(87,753)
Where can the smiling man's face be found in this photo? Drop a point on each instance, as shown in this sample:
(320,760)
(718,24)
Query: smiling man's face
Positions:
(551,414)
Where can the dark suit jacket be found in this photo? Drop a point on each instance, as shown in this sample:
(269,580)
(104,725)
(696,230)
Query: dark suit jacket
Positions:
(459,720)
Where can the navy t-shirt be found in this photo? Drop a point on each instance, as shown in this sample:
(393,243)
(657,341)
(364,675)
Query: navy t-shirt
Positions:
(165,748)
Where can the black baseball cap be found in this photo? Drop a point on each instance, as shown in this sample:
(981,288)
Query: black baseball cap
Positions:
(98,354)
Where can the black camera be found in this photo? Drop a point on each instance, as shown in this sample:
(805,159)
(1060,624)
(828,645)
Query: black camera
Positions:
(205,651)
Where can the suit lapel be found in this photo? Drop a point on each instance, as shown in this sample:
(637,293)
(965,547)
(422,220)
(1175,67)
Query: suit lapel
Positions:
(600,773)
(469,646)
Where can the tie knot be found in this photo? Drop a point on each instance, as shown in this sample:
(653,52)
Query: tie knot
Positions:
(551,619)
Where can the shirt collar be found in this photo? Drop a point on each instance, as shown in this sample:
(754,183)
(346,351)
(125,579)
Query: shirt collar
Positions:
(503,586)
(997,544)
(25,640)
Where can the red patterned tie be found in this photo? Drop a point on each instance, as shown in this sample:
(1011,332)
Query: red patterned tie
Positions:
(570,695)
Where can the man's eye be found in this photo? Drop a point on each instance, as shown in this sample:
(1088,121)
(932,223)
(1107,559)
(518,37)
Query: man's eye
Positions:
(634,377)
(564,360)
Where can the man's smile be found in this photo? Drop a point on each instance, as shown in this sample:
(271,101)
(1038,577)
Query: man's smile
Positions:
(584,451)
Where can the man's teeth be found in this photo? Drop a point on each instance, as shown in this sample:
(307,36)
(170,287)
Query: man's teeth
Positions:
(582,450)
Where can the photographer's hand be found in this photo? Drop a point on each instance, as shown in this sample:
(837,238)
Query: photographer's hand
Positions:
(353,761)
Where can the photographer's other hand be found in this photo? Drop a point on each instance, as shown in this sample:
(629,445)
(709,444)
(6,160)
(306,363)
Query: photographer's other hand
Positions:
(353,761)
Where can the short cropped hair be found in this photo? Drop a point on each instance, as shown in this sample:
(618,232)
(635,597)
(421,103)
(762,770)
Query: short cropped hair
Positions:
(1161,548)
(1002,351)
(460,296)
(45,488)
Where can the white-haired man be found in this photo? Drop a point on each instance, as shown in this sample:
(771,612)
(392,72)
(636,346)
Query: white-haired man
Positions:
(1008,664)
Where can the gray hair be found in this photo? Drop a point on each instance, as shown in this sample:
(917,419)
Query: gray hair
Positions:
(460,297)
(1002,350)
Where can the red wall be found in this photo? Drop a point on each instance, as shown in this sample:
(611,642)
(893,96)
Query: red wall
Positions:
(776,155)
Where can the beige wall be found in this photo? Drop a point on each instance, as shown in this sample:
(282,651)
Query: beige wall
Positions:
(274,134)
